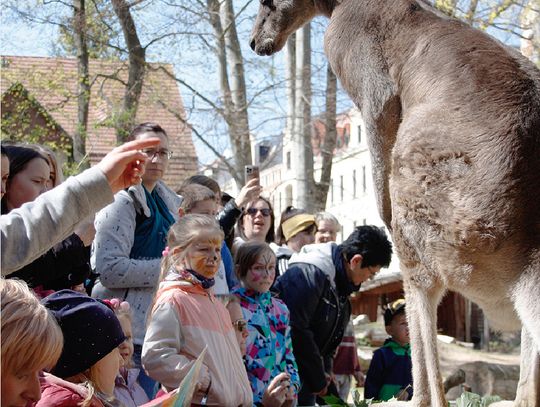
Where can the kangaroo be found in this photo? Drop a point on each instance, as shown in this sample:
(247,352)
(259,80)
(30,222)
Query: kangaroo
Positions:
(453,127)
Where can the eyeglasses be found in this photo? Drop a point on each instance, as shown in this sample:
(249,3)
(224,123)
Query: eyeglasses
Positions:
(240,325)
(163,154)
(253,211)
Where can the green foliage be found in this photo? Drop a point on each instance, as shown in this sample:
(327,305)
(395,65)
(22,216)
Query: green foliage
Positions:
(334,401)
(465,400)
(24,120)
(474,400)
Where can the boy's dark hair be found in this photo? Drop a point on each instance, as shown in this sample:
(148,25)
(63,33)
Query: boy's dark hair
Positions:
(146,127)
(372,243)
(194,193)
(392,310)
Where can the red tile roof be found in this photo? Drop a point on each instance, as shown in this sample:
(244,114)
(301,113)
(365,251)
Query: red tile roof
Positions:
(53,82)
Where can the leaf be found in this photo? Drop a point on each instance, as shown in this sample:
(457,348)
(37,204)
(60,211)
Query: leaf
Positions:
(334,401)
(487,400)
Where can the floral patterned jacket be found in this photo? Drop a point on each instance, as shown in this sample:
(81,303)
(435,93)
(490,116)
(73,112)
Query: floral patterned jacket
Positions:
(269,346)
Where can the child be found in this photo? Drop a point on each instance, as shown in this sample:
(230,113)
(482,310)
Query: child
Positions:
(127,389)
(85,373)
(269,348)
(390,371)
(296,229)
(31,342)
(186,317)
(200,199)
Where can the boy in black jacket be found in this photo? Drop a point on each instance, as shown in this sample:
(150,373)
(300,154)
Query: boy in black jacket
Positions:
(390,371)
(316,289)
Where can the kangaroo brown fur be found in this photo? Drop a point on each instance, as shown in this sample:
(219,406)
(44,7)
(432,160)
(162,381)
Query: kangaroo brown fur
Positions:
(453,123)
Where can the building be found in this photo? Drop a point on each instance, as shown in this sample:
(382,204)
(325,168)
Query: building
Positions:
(39,104)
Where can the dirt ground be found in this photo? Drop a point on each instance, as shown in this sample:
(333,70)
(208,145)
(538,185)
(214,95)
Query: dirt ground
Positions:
(452,355)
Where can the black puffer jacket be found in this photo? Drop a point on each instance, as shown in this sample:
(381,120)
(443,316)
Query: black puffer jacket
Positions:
(316,291)
(65,265)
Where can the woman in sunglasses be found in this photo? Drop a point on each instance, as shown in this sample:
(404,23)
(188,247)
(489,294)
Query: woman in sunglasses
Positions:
(255,224)
(269,359)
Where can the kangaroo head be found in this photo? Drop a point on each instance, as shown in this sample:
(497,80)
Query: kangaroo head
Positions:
(276,20)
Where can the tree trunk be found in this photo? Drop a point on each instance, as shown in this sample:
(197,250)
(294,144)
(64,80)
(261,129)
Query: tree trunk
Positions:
(329,142)
(239,132)
(137,65)
(301,138)
(83,84)
(290,80)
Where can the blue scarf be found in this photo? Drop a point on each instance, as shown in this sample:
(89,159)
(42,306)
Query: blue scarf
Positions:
(151,232)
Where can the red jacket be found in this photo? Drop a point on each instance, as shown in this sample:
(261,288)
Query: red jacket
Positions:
(56,392)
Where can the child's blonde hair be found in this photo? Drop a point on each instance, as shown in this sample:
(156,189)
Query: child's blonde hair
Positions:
(182,234)
(31,337)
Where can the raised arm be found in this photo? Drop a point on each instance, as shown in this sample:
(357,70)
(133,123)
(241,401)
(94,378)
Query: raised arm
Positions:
(35,227)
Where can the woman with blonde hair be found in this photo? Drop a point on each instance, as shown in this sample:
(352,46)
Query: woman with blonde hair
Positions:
(31,342)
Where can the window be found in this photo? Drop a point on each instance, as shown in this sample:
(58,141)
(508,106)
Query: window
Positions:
(359,134)
(364,221)
(331,191)
(288,159)
(364,178)
(341,187)
(354,183)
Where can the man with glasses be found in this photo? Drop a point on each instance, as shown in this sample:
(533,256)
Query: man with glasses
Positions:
(316,289)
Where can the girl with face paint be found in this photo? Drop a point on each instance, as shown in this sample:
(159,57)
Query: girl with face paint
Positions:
(268,345)
(187,317)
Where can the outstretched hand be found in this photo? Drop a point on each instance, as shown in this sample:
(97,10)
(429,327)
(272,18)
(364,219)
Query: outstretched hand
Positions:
(124,166)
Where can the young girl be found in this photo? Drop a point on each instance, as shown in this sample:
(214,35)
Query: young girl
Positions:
(186,317)
(269,348)
(127,389)
(31,342)
(85,373)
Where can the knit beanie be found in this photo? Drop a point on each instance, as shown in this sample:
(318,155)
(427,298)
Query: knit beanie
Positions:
(90,327)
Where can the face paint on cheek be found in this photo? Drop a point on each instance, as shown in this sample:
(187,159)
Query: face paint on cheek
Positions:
(199,263)
(256,275)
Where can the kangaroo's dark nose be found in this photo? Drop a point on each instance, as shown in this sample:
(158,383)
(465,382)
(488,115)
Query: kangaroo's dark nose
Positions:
(252,44)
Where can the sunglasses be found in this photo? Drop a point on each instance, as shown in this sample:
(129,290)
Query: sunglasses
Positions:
(240,325)
(253,211)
